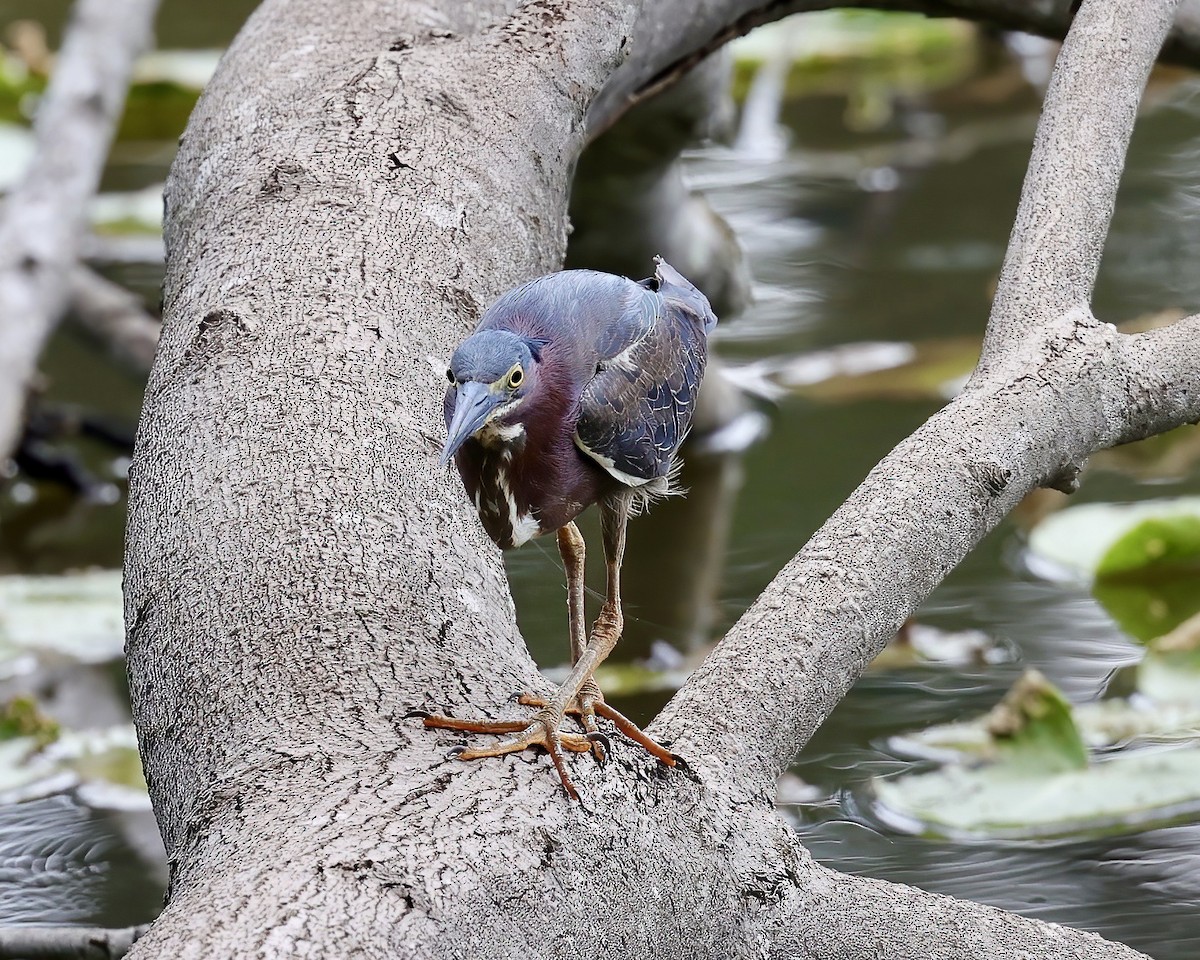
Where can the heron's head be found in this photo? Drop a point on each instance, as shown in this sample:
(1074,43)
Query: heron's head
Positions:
(491,372)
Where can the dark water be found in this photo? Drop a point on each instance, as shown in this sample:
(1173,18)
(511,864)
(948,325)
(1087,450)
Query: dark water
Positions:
(889,234)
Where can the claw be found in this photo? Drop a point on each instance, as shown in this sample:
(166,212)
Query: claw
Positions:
(415,715)
(455,752)
(601,746)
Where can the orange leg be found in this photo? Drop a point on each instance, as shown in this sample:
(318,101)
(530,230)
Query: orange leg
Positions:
(579,696)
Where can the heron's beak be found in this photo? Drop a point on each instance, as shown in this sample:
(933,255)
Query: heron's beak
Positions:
(473,404)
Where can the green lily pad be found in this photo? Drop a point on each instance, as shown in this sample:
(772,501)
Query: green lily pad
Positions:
(1033,729)
(79,615)
(1171,540)
(1142,559)
(1103,539)
(1170,670)
(1102,725)
(627,679)
(22,717)
(102,766)
(1023,769)
(1004,800)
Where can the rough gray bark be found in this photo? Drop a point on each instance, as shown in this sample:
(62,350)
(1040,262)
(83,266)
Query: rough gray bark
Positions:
(43,219)
(300,573)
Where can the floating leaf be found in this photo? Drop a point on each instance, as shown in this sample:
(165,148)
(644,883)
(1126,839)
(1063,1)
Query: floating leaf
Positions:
(1101,725)
(1028,773)
(1143,559)
(22,717)
(1033,729)
(918,644)
(1157,542)
(1075,542)
(1170,670)
(102,764)
(77,615)
(1004,800)
(627,679)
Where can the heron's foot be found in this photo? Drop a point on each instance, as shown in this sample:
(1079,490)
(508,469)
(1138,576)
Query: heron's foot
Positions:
(542,730)
(588,705)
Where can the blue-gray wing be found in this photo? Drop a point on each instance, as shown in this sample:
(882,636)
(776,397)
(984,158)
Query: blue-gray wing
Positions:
(637,409)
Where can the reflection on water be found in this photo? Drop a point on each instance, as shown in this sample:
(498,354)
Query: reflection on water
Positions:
(61,862)
(894,234)
(1135,889)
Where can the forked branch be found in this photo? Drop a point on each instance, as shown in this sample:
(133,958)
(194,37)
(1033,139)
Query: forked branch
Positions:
(1054,386)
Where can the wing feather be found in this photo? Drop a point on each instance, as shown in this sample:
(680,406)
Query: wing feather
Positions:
(637,409)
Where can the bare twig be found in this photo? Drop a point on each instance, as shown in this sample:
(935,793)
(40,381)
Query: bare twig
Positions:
(20,942)
(43,218)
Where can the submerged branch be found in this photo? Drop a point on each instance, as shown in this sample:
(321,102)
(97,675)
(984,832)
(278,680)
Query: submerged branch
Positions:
(115,318)
(20,942)
(43,218)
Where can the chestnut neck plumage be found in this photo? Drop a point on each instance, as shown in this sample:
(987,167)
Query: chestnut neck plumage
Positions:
(523,471)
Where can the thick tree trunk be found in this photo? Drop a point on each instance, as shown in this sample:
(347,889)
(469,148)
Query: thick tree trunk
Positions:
(300,574)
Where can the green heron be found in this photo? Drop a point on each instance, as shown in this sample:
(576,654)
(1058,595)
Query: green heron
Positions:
(576,388)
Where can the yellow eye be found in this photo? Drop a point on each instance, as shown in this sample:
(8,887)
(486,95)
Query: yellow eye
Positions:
(516,378)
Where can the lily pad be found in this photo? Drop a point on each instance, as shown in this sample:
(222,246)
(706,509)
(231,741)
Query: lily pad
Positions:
(627,679)
(79,615)
(22,717)
(1170,540)
(1032,727)
(1076,543)
(1142,559)
(1023,770)
(1103,725)
(101,765)
(919,644)
(1170,670)
(1004,800)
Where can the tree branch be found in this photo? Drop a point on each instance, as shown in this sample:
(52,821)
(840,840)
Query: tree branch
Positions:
(20,942)
(1062,394)
(299,573)
(839,917)
(43,219)
(1071,182)
(113,317)
(673,35)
